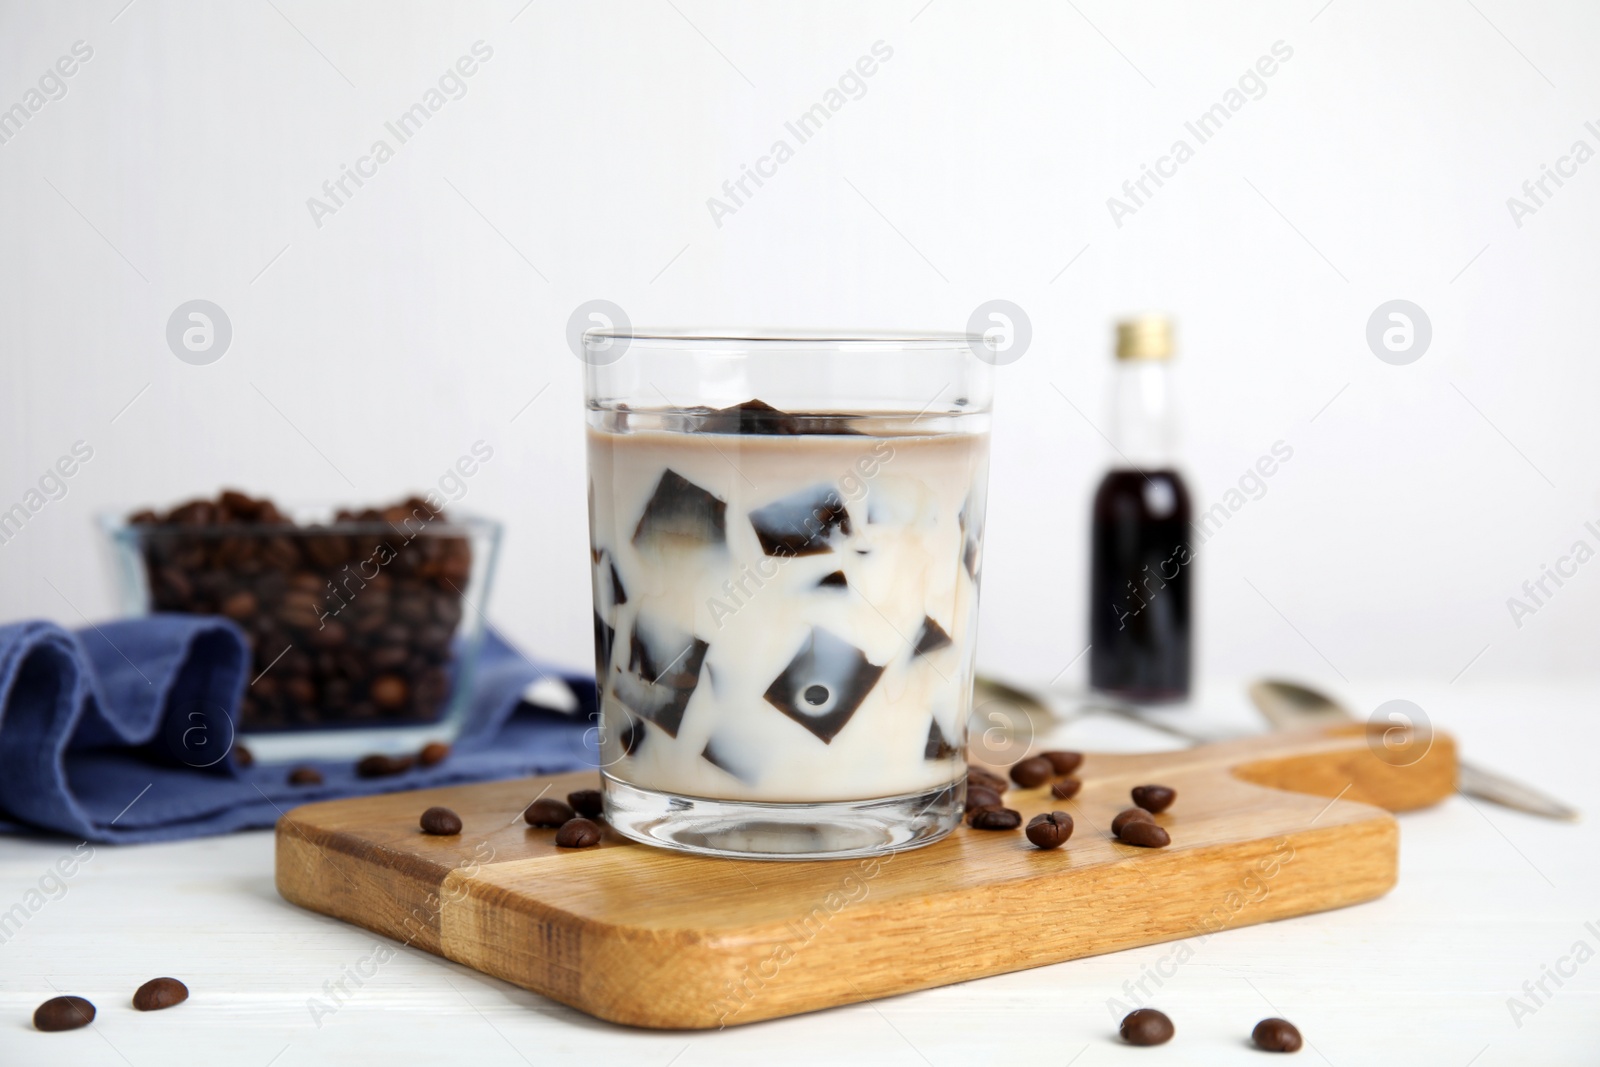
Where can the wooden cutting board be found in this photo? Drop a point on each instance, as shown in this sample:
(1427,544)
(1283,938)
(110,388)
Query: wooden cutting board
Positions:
(647,937)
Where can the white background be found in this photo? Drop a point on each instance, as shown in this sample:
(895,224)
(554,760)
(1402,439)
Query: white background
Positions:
(428,311)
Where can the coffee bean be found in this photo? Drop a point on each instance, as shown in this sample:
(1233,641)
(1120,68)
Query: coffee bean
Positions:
(441,822)
(994,819)
(63,1013)
(172,587)
(301,690)
(281,552)
(243,757)
(1050,830)
(1130,815)
(1031,772)
(160,993)
(587,802)
(433,753)
(305,776)
(981,797)
(330,633)
(1064,762)
(240,606)
(389,691)
(393,633)
(382,766)
(547,812)
(294,661)
(328,552)
(389,657)
(1276,1035)
(1144,834)
(435,638)
(194,513)
(336,694)
(1146,1027)
(412,609)
(986,778)
(578,833)
(1154,798)
(1066,789)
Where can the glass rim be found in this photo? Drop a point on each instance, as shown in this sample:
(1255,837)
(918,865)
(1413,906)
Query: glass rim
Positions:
(116,524)
(888,338)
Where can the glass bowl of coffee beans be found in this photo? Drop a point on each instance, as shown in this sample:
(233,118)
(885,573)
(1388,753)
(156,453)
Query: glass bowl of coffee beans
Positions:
(364,624)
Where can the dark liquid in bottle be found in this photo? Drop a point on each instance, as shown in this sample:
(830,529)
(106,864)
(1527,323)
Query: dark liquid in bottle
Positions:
(1142,574)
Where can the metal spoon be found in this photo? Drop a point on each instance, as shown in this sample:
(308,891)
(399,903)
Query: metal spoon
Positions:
(1034,713)
(1288,705)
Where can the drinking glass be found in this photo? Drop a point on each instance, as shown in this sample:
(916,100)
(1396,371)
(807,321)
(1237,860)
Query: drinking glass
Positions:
(786,539)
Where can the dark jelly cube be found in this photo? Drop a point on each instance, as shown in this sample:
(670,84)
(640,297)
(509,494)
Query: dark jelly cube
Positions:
(681,510)
(803,523)
(664,670)
(724,757)
(824,684)
(931,639)
(604,637)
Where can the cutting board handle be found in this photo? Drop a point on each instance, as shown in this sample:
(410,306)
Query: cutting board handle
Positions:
(1387,767)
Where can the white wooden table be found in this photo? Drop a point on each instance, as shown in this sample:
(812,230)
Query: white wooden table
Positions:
(1488,900)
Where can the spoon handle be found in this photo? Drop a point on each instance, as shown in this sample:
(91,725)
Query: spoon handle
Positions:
(1476,781)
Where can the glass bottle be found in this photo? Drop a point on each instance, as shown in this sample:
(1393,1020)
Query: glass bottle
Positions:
(1142,569)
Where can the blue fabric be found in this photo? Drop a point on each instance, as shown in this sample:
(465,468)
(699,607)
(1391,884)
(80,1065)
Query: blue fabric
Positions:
(121,732)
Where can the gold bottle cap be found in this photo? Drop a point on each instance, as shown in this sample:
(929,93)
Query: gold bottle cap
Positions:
(1145,337)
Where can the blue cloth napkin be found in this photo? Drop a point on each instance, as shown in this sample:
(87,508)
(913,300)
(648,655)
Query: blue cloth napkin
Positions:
(121,732)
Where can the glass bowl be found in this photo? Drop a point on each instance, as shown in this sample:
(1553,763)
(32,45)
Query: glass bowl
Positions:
(365,628)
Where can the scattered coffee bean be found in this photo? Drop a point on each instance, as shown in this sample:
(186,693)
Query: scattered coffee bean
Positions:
(160,993)
(548,813)
(994,819)
(987,778)
(441,821)
(433,753)
(1154,798)
(578,833)
(982,797)
(243,757)
(1144,834)
(587,802)
(1034,771)
(1051,830)
(1066,789)
(305,776)
(1276,1035)
(381,766)
(1130,815)
(63,1013)
(1064,762)
(1146,1027)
